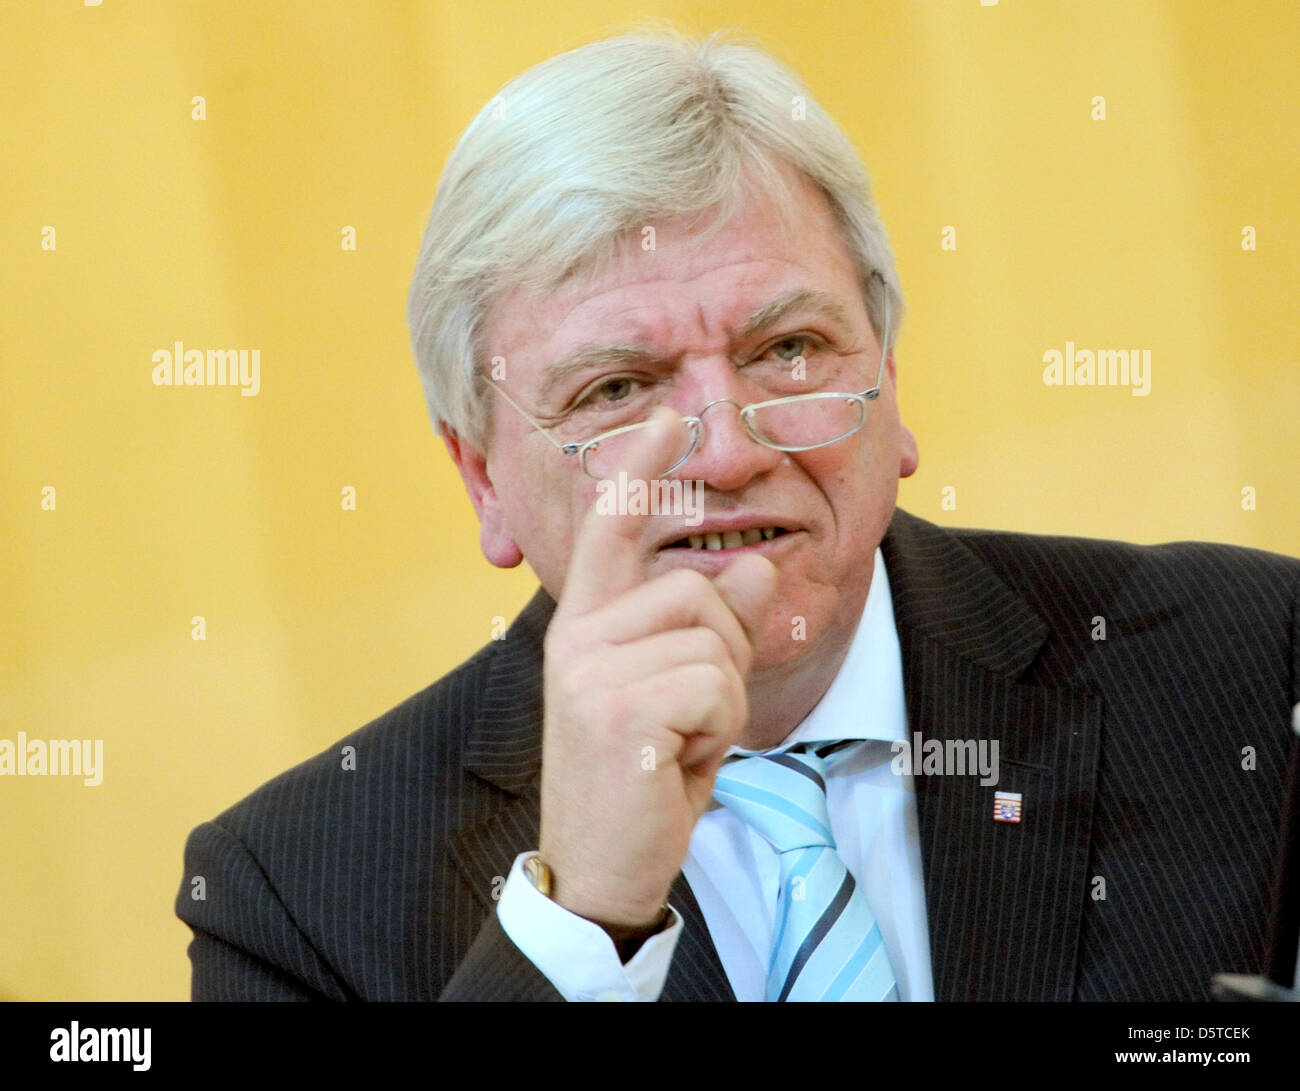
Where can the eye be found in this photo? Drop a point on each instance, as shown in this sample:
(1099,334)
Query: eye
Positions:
(801,344)
(611,391)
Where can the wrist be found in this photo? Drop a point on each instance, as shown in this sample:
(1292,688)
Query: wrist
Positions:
(628,940)
(627,931)
(591,898)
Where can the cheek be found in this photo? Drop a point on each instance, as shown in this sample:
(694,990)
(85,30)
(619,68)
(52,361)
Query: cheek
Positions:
(803,612)
(853,487)
(547,508)
(860,491)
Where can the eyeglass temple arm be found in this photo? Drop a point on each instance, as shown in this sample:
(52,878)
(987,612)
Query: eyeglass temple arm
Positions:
(566,448)
(873,391)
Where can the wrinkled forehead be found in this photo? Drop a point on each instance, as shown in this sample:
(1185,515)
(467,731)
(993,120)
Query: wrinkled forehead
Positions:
(664,276)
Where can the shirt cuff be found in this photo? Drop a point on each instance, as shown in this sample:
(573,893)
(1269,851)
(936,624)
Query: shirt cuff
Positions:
(576,955)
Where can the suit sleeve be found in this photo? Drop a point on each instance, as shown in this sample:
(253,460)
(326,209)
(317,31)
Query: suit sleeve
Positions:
(246,945)
(495,969)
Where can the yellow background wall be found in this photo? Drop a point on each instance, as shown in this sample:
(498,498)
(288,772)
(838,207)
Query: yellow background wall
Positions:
(226,232)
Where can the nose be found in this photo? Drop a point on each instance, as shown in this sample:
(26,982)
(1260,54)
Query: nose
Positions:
(727,457)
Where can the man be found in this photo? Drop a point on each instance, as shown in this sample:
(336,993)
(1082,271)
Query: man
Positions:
(801,745)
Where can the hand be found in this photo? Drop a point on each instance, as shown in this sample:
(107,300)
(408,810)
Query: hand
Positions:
(645,692)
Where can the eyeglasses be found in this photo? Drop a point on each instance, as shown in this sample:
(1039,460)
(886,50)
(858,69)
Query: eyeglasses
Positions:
(800,422)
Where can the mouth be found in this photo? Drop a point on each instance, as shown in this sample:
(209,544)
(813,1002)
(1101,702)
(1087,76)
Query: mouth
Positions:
(714,541)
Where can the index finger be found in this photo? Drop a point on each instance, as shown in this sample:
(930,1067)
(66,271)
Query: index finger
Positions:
(607,554)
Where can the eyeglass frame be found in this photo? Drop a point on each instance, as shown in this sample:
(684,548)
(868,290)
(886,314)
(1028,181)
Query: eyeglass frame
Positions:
(696,423)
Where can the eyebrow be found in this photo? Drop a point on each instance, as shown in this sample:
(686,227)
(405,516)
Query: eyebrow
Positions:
(811,301)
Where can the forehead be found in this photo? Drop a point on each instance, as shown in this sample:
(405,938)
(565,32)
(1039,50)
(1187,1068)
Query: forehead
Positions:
(689,292)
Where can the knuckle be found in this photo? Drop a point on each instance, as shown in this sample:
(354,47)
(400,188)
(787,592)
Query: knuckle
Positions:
(690,583)
(578,682)
(706,645)
(714,681)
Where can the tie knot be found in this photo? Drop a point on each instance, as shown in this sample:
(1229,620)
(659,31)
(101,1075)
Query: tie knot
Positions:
(782,796)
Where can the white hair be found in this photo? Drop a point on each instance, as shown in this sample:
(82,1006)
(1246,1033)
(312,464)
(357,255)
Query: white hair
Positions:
(602,140)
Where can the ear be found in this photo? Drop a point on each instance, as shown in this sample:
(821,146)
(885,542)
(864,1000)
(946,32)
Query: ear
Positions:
(909,457)
(494,536)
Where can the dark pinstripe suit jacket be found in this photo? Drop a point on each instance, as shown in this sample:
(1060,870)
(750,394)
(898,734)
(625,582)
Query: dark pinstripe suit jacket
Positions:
(378,883)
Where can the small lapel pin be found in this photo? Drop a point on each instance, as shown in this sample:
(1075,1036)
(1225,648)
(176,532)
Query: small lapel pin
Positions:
(1006,806)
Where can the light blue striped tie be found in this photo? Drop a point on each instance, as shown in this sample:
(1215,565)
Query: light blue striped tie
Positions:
(826,942)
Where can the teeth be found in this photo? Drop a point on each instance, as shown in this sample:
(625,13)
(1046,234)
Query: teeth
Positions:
(731,539)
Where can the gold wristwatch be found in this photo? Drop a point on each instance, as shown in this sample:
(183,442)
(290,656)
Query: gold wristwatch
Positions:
(541,875)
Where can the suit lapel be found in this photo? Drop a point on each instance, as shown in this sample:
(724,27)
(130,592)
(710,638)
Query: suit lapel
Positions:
(505,749)
(1004,901)
(697,972)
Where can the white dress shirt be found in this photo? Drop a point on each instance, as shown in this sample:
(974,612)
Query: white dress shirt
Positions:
(734,872)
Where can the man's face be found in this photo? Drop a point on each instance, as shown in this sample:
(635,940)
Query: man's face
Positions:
(688,301)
